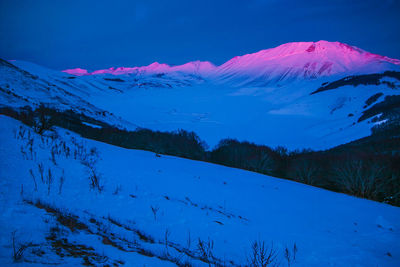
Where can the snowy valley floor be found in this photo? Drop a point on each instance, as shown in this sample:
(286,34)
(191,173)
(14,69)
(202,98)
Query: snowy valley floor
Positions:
(75,201)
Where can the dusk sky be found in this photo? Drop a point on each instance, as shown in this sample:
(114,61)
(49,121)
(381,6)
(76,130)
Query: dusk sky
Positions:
(101,34)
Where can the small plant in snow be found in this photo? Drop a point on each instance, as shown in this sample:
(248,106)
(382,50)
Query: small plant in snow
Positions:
(41,171)
(166,236)
(18,248)
(188,241)
(117,189)
(34,179)
(62,178)
(53,155)
(155,210)
(30,148)
(290,255)
(23,152)
(49,180)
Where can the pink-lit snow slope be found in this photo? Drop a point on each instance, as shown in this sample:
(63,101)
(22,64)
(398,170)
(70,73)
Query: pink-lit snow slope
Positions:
(195,67)
(297,60)
(302,61)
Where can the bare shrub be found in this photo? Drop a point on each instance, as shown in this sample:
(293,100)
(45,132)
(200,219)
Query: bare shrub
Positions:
(262,255)
(360,177)
(41,121)
(89,159)
(266,163)
(95,178)
(205,250)
(305,171)
(392,189)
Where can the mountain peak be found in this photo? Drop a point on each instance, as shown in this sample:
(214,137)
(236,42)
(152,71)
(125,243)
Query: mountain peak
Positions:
(76,71)
(290,61)
(302,60)
(319,48)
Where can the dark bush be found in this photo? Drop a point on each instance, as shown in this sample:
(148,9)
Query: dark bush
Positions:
(245,155)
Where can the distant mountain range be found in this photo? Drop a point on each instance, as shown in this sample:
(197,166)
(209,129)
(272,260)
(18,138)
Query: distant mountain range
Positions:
(299,95)
(298,60)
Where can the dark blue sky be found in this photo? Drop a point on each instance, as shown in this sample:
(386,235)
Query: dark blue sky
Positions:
(99,34)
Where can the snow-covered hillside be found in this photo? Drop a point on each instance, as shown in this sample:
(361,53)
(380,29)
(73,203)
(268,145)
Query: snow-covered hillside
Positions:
(74,201)
(20,88)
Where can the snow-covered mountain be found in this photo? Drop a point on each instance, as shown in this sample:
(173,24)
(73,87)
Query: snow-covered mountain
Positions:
(287,62)
(302,60)
(268,97)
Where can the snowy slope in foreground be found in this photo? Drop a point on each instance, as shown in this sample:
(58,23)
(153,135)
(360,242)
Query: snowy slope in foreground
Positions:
(153,207)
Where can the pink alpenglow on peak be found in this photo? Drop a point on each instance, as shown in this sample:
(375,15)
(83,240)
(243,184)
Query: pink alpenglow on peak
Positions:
(195,67)
(302,61)
(198,67)
(77,72)
(287,62)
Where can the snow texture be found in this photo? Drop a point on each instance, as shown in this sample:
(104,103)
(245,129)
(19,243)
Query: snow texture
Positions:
(162,206)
